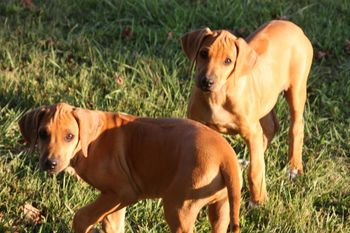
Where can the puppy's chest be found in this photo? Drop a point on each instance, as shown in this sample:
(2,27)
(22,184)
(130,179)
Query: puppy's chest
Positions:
(223,120)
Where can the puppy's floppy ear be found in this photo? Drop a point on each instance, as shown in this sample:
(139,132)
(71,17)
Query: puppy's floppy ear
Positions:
(192,41)
(89,124)
(245,58)
(29,125)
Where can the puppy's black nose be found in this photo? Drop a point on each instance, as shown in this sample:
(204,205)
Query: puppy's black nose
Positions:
(206,83)
(50,164)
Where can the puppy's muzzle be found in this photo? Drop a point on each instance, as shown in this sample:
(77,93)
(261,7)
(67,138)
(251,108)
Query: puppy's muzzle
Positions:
(49,164)
(206,84)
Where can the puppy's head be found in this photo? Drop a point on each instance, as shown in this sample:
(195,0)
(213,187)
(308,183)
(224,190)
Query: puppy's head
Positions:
(218,55)
(59,131)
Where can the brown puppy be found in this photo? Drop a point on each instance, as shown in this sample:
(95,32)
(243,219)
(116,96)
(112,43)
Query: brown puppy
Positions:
(237,84)
(128,158)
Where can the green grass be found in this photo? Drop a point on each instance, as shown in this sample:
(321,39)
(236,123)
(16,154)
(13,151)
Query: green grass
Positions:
(72,51)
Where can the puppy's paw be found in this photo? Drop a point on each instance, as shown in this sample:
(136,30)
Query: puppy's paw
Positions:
(71,171)
(243,162)
(292,174)
(253,205)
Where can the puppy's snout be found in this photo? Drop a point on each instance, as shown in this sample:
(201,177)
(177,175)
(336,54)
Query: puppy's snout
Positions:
(206,83)
(50,164)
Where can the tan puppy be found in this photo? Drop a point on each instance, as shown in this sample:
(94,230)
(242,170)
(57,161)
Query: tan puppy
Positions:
(237,84)
(128,158)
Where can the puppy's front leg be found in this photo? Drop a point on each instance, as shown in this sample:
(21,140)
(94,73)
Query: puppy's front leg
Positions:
(270,126)
(256,171)
(93,213)
(114,222)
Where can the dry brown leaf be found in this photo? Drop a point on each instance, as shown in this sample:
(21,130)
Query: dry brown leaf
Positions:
(119,79)
(69,59)
(29,4)
(347,46)
(170,36)
(127,33)
(47,42)
(32,214)
(322,54)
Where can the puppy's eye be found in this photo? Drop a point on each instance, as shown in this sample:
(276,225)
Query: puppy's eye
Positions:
(43,134)
(69,137)
(203,54)
(228,61)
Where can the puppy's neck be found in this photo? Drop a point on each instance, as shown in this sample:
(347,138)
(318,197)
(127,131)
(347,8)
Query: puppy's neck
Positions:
(77,161)
(216,98)
(109,121)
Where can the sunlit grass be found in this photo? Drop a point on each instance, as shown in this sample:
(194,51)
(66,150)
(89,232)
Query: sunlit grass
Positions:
(126,56)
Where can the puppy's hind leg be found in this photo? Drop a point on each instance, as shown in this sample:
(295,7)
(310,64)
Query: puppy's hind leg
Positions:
(180,216)
(219,216)
(296,98)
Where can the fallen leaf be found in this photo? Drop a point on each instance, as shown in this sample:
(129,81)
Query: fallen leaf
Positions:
(48,42)
(29,4)
(347,46)
(69,59)
(32,214)
(119,79)
(127,33)
(322,54)
(170,36)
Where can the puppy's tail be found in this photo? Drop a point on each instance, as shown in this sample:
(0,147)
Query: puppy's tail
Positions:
(231,172)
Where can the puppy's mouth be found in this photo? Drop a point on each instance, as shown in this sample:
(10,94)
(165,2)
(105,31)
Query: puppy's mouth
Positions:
(206,83)
(204,88)
(52,166)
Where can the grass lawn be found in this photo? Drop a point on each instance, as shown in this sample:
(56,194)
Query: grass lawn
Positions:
(125,55)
